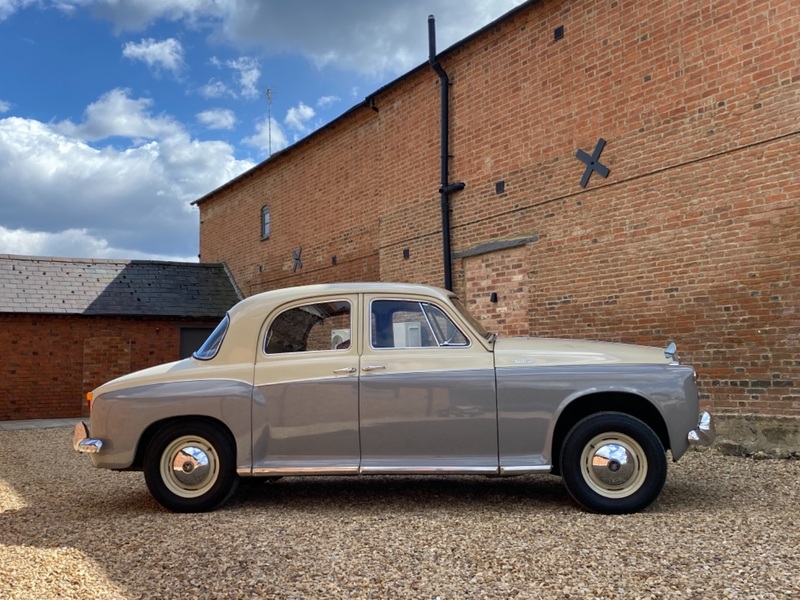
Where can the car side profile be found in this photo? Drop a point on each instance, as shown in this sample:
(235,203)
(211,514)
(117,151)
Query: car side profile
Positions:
(377,378)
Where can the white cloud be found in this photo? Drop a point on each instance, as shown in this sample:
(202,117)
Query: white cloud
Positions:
(248,75)
(214,89)
(327,101)
(4,106)
(166,54)
(372,38)
(264,133)
(217,118)
(134,15)
(9,7)
(116,114)
(74,243)
(247,72)
(134,197)
(298,116)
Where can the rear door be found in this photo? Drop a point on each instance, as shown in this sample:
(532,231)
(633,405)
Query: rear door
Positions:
(305,405)
(427,390)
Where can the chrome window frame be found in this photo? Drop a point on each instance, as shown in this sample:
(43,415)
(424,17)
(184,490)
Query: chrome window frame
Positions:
(284,309)
(424,314)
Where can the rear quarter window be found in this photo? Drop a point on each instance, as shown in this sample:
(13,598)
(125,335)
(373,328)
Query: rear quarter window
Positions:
(212,344)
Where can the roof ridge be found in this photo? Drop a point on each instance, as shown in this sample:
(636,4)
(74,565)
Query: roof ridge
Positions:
(103,261)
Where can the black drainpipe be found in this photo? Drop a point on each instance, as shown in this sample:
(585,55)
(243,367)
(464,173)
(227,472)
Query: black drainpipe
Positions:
(446,188)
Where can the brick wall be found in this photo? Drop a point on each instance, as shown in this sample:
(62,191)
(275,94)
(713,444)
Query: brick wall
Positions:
(325,213)
(693,237)
(50,362)
(504,271)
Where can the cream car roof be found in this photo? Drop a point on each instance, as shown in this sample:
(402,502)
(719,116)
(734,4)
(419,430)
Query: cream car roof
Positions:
(284,295)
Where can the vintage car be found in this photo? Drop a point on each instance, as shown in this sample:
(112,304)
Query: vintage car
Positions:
(376,378)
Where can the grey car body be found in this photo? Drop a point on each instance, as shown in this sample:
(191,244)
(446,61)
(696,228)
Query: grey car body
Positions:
(347,379)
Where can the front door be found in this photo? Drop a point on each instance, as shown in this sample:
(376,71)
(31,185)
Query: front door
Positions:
(305,404)
(427,391)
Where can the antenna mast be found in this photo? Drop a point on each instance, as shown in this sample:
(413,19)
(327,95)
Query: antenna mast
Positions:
(269,120)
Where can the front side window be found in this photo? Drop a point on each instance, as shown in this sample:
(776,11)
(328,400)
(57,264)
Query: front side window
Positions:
(409,324)
(446,332)
(310,328)
(211,346)
(264,222)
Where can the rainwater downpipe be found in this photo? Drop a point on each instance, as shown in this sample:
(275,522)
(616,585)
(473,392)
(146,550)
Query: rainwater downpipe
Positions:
(446,188)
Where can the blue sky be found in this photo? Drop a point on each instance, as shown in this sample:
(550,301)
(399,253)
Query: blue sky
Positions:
(116,114)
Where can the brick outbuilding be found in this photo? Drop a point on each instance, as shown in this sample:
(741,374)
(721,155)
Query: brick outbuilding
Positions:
(630,173)
(68,325)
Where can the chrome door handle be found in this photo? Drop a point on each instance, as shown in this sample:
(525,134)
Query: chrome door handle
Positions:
(372,367)
(345,370)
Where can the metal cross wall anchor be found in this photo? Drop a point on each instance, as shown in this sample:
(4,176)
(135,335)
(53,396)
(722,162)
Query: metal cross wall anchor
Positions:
(593,163)
(298,264)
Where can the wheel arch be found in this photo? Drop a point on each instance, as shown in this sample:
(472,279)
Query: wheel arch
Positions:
(149,433)
(628,403)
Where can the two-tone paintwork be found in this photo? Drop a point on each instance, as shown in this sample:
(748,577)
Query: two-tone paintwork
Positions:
(491,406)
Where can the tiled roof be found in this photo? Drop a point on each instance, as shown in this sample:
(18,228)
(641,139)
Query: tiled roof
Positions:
(30,284)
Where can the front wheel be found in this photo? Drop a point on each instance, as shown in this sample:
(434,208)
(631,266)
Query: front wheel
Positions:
(190,466)
(613,463)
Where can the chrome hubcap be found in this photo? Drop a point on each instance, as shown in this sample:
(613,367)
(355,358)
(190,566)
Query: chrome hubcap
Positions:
(614,465)
(189,466)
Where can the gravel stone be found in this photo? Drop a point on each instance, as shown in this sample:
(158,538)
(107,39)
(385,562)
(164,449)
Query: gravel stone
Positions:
(724,527)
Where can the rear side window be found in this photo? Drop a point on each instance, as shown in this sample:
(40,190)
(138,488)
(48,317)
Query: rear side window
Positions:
(310,328)
(212,344)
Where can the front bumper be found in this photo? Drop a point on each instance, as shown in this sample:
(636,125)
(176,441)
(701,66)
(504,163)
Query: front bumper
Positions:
(705,433)
(82,442)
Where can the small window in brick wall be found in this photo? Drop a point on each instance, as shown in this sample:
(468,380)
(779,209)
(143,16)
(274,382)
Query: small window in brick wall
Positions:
(264,222)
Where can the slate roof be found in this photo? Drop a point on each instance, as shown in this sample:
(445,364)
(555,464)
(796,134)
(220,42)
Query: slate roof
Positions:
(30,284)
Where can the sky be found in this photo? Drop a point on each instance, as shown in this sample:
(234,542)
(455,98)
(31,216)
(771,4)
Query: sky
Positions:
(116,114)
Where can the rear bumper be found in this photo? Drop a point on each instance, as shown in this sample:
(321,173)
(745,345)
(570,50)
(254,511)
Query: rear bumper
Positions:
(705,433)
(82,442)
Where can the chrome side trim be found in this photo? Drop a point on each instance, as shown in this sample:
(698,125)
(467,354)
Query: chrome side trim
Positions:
(387,470)
(81,441)
(286,471)
(705,433)
(526,470)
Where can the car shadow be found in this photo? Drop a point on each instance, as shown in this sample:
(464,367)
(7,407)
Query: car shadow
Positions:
(402,494)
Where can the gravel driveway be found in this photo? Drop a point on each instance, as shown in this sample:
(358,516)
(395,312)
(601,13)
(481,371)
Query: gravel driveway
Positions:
(724,527)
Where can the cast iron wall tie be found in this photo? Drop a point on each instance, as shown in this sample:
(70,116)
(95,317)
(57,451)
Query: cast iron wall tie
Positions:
(593,162)
(298,264)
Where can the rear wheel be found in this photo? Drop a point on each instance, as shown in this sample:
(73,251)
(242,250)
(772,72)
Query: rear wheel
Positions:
(190,466)
(613,463)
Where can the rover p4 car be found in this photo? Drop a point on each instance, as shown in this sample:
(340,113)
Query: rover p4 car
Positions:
(376,378)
